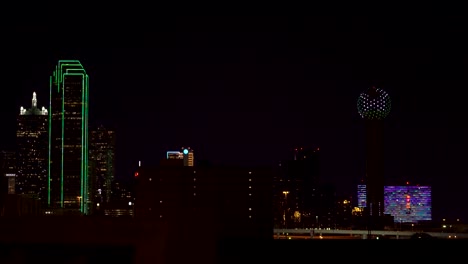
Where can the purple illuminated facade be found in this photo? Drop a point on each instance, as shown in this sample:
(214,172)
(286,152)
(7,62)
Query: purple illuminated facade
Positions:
(408,204)
(362,196)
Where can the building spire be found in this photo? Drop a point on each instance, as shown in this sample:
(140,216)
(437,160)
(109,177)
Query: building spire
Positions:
(34,100)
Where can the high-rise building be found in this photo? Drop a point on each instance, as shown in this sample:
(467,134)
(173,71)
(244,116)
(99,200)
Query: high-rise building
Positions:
(188,156)
(68,138)
(101,166)
(361,196)
(32,152)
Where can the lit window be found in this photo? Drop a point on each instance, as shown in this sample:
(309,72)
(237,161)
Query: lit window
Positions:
(250,209)
(160,216)
(250,179)
(250,187)
(250,194)
(250,172)
(149,179)
(194,194)
(160,201)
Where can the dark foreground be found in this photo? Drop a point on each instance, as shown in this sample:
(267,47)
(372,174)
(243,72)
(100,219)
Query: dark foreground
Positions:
(78,240)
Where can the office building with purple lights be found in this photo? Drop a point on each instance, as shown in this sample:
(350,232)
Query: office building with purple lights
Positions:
(407,204)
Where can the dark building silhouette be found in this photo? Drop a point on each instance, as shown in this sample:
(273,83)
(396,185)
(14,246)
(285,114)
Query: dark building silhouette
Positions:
(68,139)
(122,200)
(32,152)
(235,201)
(12,204)
(101,166)
(8,171)
(296,190)
(374,105)
(3,179)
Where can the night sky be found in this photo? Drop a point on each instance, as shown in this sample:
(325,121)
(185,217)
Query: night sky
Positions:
(248,90)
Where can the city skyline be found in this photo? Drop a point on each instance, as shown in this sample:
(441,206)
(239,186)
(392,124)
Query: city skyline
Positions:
(250,95)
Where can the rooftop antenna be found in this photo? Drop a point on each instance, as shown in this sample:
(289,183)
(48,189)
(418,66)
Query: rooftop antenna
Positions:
(34,100)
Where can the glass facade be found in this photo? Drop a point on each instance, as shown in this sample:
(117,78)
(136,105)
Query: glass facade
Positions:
(361,196)
(408,204)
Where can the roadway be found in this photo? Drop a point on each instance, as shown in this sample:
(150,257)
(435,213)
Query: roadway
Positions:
(341,233)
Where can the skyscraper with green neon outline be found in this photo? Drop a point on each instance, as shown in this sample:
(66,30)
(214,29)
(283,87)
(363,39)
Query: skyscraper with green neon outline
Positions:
(68,138)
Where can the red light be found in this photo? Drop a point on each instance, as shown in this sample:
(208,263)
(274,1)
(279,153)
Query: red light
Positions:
(407,183)
(136,174)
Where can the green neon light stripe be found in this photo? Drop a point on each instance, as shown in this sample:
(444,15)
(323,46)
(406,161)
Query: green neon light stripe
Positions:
(86,114)
(50,139)
(82,142)
(63,139)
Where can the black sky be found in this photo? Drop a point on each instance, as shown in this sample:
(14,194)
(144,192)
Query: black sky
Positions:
(246,90)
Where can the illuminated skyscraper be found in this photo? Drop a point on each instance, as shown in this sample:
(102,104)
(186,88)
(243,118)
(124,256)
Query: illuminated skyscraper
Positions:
(102,165)
(188,156)
(361,195)
(68,137)
(32,152)
(373,106)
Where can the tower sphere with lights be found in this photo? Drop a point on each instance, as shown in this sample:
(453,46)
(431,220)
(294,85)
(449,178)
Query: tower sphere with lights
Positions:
(374,104)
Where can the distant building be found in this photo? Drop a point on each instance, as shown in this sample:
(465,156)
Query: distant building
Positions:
(101,166)
(68,139)
(172,154)
(8,171)
(406,203)
(344,213)
(296,191)
(32,152)
(236,201)
(185,154)
(122,200)
(12,204)
(361,196)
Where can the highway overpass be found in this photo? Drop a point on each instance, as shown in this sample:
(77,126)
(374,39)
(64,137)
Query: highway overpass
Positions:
(365,233)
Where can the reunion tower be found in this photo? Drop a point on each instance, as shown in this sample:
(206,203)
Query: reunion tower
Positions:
(374,105)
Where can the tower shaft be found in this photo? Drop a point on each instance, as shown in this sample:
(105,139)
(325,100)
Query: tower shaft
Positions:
(375,167)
